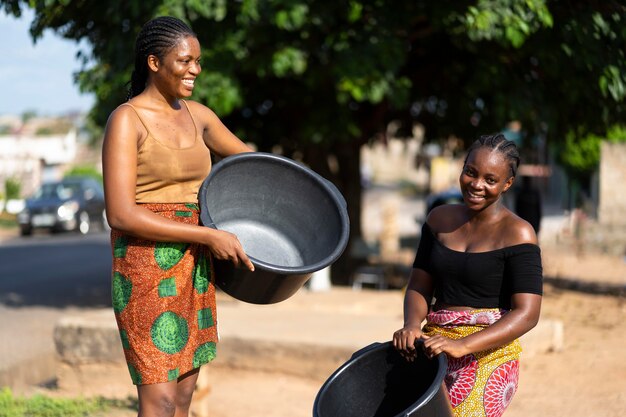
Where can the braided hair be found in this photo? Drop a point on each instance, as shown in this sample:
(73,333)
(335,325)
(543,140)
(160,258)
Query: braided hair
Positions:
(156,37)
(499,143)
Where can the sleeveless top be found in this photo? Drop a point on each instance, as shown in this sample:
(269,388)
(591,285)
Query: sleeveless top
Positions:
(479,279)
(166,174)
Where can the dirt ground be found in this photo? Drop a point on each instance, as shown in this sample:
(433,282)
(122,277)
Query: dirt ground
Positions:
(587,378)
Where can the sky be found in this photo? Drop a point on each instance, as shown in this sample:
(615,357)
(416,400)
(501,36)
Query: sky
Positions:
(37,77)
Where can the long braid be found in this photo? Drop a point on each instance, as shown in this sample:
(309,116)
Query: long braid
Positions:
(498,142)
(156,38)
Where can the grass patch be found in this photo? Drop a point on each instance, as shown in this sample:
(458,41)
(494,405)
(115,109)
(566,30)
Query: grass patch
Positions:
(43,406)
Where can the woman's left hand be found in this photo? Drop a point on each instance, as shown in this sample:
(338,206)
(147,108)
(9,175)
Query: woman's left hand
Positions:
(434,345)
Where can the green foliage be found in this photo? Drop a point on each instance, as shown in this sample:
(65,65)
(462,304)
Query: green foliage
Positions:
(507,21)
(293,17)
(612,82)
(42,406)
(209,9)
(12,188)
(288,61)
(84,171)
(580,153)
(280,70)
(323,77)
(222,92)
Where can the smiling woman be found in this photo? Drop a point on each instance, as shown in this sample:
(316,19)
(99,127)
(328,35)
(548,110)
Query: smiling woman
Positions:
(477,281)
(156,153)
(38,76)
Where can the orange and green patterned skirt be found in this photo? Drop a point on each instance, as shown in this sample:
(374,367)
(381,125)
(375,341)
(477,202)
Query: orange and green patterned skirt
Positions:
(164,301)
(481,384)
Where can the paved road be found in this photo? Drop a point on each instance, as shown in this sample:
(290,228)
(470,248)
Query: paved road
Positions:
(56,271)
(43,278)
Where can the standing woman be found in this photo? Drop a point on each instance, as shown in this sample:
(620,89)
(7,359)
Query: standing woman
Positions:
(156,153)
(482,265)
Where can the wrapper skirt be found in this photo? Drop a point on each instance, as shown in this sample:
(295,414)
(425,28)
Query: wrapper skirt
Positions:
(481,384)
(163,296)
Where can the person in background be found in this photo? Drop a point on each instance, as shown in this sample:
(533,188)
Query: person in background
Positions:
(156,154)
(477,281)
(528,203)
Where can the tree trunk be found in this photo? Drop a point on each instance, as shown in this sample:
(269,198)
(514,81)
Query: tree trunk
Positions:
(349,183)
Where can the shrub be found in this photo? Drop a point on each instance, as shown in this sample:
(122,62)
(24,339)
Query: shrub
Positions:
(12,188)
(84,171)
(42,406)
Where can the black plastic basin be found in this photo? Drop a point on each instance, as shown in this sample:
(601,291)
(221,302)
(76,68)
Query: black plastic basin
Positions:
(378,382)
(290,221)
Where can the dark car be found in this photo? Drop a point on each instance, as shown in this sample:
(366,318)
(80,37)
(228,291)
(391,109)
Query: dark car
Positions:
(72,204)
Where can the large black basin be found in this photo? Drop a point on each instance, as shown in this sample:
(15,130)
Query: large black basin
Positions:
(378,382)
(290,221)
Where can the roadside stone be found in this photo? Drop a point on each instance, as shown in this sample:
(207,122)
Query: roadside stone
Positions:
(88,338)
(90,357)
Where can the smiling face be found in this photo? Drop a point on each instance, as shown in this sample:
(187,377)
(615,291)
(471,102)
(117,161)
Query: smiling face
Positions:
(485,176)
(175,74)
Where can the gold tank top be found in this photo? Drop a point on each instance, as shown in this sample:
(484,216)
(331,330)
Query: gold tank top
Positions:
(170,175)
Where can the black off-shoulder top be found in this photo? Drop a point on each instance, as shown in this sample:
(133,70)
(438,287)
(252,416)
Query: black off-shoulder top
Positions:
(479,279)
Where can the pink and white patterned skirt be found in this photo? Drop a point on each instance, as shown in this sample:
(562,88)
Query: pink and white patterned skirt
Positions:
(480,384)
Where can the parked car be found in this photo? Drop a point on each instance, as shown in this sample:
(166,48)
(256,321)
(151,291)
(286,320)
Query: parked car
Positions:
(72,204)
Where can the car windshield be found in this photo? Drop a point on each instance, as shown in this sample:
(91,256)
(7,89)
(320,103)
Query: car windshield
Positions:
(57,190)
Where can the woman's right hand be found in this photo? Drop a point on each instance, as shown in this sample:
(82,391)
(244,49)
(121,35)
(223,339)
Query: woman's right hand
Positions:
(225,246)
(404,341)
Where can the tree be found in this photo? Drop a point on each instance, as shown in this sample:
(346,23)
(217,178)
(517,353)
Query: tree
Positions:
(580,157)
(322,78)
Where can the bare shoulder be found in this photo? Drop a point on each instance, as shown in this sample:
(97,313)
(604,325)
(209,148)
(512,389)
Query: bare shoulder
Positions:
(123,123)
(122,113)
(519,231)
(446,217)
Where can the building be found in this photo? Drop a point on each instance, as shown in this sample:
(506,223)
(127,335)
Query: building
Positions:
(37,151)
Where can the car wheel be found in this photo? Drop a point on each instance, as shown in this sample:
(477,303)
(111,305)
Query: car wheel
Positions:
(84,223)
(26,231)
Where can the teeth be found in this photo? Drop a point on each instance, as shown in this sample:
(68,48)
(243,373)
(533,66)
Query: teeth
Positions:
(188,82)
